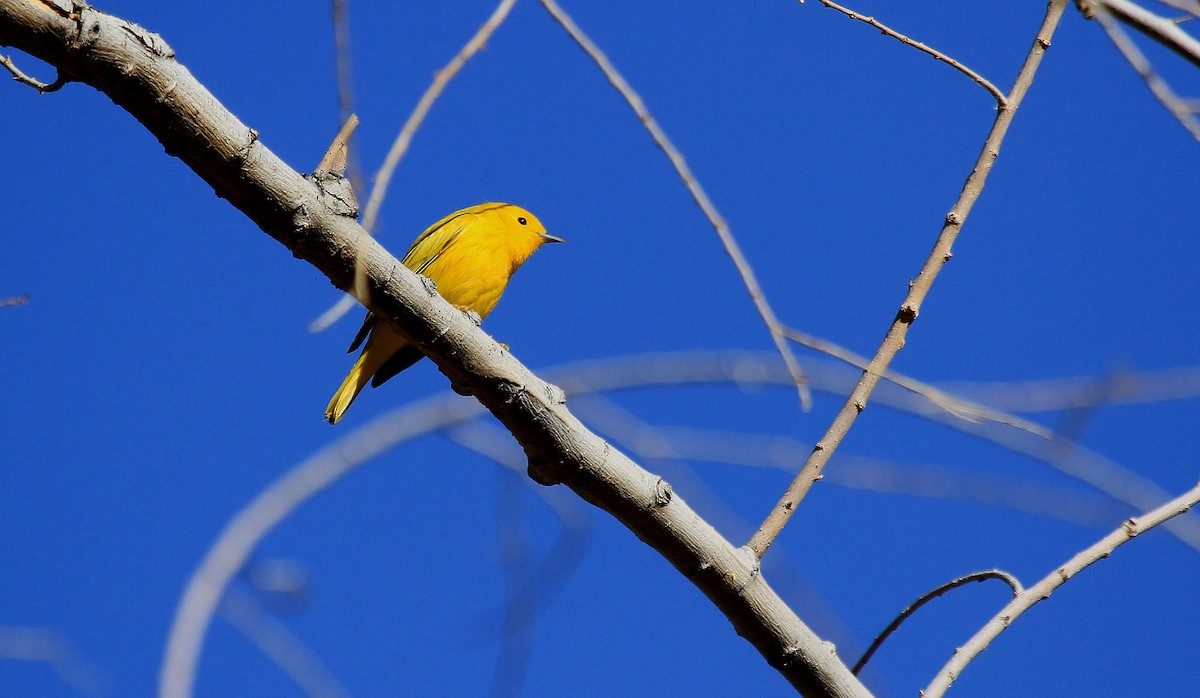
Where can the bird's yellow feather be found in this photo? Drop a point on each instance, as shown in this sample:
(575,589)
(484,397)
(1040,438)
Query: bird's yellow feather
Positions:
(470,254)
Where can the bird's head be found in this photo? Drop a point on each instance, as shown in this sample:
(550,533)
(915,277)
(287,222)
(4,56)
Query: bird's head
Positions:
(523,222)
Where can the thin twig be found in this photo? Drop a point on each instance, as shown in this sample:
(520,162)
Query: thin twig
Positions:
(1178,107)
(963,409)
(918,289)
(925,598)
(42,87)
(400,146)
(979,79)
(1029,597)
(693,186)
(337,155)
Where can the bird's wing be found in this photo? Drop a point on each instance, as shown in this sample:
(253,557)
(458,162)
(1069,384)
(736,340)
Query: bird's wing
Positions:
(367,326)
(424,251)
(406,356)
(436,240)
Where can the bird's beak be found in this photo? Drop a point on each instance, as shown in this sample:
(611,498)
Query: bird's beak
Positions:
(547,237)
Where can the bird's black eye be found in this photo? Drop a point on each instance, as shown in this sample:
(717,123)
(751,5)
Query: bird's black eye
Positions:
(521,220)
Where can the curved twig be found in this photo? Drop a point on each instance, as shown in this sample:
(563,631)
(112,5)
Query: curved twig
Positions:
(42,87)
(1029,597)
(925,598)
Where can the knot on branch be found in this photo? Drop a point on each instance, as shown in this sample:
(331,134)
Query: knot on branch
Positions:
(662,493)
(336,193)
(152,42)
(555,394)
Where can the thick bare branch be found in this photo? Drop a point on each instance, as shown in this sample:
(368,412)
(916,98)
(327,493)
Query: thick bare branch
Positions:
(918,289)
(137,70)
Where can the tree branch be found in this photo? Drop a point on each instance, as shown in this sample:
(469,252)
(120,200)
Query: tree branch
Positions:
(918,289)
(938,55)
(137,70)
(1026,599)
(928,596)
(36,84)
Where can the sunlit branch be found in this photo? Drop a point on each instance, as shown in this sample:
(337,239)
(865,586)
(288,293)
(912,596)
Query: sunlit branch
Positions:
(938,55)
(917,291)
(1027,598)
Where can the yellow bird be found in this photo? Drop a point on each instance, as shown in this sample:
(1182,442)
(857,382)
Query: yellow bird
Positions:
(470,254)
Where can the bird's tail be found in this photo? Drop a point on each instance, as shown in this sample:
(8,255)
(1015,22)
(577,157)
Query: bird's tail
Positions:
(357,379)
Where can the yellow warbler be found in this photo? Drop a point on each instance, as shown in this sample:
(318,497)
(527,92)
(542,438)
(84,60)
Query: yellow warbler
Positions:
(470,254)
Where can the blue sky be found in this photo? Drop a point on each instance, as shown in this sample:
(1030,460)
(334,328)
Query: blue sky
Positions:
(161,373)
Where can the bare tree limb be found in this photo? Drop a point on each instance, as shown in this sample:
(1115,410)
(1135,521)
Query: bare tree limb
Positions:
(1029,597)
(938,55)
(137,70)
(732,248)
(242,534)
(918,289)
